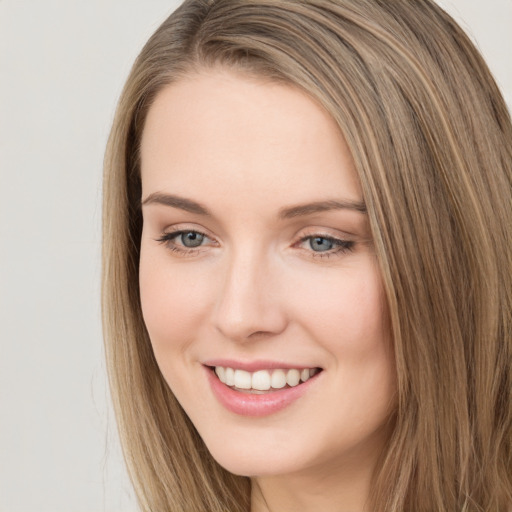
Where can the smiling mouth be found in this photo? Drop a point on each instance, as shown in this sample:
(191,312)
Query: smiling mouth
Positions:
(263,381)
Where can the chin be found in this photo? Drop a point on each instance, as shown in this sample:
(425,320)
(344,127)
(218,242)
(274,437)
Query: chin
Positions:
(271,450)
(257,454)
(251,464)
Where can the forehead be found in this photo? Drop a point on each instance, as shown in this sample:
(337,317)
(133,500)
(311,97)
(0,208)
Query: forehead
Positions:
(222,131)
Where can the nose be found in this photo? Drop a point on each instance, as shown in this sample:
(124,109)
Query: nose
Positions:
(250,304)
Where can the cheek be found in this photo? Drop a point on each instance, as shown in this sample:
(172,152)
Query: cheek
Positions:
(346,311)
(348,317)
(173,302)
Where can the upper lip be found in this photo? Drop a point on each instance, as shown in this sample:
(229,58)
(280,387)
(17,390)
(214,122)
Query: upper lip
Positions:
(255,365)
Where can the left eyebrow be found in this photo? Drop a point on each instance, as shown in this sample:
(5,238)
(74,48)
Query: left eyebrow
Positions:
(321,206)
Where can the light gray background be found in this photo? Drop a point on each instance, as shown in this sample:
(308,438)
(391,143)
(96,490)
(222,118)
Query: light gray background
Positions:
(62,66)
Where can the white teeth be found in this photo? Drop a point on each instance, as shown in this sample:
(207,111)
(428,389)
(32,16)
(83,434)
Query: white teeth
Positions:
(293,377)
(221,373)
(243,379)
(278,379)
(263,380)
(230,377)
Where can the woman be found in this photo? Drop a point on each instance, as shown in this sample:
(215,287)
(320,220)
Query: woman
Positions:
(307,268)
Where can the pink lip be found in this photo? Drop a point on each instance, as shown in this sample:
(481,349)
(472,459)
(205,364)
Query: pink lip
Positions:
(253,366)
(247,404)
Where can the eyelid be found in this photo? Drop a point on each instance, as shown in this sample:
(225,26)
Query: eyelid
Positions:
(170,234)
(328,232)
(323,232)
(184,227)
(340,245)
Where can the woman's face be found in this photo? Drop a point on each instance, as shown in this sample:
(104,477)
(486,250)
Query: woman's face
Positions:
(257,262)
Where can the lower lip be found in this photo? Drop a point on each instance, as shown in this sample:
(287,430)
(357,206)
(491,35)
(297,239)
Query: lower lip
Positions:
(248,404)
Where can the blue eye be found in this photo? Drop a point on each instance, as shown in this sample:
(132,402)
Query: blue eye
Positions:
(184,241)
(190,238)
(321,244)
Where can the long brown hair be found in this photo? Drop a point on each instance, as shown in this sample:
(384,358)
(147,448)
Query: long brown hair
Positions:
(431,139)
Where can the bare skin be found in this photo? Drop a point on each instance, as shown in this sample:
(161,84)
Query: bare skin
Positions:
(256,246)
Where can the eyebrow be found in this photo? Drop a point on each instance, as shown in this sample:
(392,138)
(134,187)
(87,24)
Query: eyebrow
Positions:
(176,202)
(321,206)
(285,213)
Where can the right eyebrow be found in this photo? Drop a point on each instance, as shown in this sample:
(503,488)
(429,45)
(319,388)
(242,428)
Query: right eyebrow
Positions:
(176,202)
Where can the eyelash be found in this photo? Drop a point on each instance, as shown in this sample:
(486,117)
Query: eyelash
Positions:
(339,246)
(168,240)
